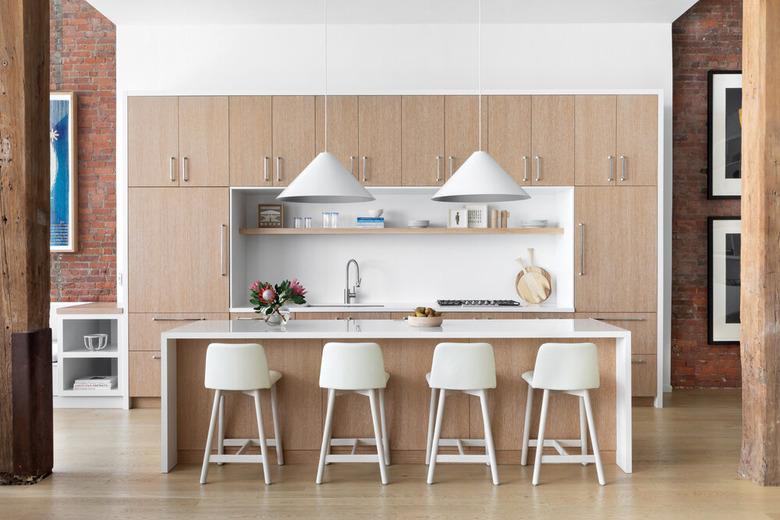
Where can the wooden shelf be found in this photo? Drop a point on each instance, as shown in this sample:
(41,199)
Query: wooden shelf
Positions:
(403,231)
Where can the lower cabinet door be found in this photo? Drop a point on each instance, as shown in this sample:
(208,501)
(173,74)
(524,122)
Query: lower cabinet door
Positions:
(643,375)
(144,374)
(145,328)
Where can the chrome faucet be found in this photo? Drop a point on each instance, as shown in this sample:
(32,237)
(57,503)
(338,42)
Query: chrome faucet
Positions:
(350,295)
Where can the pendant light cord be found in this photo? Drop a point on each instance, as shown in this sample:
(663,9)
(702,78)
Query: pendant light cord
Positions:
(479,68)
(325,24)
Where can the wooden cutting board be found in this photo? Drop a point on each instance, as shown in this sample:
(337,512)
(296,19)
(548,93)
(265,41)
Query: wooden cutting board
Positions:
(533,284)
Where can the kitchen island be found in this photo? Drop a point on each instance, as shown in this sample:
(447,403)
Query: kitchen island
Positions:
(295,351)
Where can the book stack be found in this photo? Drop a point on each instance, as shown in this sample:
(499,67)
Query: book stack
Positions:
(95,383)
(370,222)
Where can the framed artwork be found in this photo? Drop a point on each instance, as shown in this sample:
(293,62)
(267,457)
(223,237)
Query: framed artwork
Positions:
(270,215)
(63,174)
(724,279)
(724,131)
(458,218)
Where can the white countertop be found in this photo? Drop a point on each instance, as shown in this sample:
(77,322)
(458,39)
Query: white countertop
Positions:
(405,307)
(353,329)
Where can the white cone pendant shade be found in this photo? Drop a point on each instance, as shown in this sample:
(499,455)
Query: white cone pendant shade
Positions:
(325,181)
(480,179)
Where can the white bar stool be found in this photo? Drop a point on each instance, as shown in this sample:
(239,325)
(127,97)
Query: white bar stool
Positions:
(240,368)
(469,368)
(572,368)
(358,368)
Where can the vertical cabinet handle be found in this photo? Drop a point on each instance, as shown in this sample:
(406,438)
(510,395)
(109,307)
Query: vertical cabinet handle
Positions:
(265,168)
(185,168)
(438,168)
(278,168)
(352,164)
(451,160)
(172,169)
(222,270)
(611,169)
(525,168)
(582,249)
(365,161)
(622,168)
(538,161)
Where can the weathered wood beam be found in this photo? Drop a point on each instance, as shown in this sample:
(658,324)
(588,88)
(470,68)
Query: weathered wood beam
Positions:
(760,291)
(25,338)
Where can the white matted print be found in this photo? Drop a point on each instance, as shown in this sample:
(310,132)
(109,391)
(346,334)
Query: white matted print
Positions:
(725,134)
(724,279)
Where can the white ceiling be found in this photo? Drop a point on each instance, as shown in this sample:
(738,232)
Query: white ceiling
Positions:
(185,12)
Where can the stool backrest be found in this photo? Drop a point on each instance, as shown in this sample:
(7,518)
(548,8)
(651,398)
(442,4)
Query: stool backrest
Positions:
(352,366)
(567,366)
(463,366)
(232,366)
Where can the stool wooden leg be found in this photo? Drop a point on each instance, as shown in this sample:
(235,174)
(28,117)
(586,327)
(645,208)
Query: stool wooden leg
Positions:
(436,436)
(383,418)
(489,446)
(372,399)
(431,419)
(277,429)
(326,434)
(210,438)
(261,432)
(593,440)
(583,430)
(540,439)
(221,428)
(529,405)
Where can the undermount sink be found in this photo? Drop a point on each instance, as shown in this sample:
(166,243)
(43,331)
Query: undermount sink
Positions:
(345,305)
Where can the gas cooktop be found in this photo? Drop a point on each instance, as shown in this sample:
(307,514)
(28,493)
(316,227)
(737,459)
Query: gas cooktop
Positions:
(479,303)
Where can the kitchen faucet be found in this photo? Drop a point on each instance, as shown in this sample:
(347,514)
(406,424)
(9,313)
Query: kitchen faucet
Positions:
(350,295)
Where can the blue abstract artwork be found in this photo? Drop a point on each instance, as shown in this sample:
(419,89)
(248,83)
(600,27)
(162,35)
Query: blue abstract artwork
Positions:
(62,174)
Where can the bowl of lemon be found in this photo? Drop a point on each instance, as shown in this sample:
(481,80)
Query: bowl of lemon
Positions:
(425,317)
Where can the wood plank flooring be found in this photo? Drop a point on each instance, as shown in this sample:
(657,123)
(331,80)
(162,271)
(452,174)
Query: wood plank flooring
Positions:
(106,465)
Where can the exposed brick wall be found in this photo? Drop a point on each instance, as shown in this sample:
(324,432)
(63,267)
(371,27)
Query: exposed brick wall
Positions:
(83,60)
(707,37)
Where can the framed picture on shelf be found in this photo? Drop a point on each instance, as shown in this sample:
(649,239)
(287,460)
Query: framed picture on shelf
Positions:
(724,235)
(724,134)
(62,172)
(270,215)
(459,218)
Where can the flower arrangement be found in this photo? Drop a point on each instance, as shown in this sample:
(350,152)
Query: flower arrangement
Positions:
(267,299)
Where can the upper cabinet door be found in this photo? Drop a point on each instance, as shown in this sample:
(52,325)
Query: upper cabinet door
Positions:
(152,141)
(250,141)
(596,162)
(423,140)
(203,141)
(461,129)
(342,131)
(637,140)
(293,136)
(509,124)
(552,138)
(380,140)
(615,249)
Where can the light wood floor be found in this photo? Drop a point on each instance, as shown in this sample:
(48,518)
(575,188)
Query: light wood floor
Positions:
(686,455)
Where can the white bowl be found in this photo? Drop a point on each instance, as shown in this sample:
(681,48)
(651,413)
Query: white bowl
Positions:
(375,213)
(419,223)
(432,321)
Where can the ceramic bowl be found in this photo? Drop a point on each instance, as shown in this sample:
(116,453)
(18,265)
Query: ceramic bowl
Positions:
(375,213)
(416,321)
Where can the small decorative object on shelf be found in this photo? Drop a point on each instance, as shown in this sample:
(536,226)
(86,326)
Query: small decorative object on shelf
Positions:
(94,342)
(477,216)
(458,218)
(268,299)
(270,215)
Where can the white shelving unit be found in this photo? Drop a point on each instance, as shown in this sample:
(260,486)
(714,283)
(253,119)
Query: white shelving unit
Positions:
(75,361)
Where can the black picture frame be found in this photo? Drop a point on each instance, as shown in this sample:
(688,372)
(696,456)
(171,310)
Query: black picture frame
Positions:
(710,140)
(710,281)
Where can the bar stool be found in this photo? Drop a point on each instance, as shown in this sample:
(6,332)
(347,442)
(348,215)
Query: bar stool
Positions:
(358,368)
(240,368)
(469,368)
(571,368)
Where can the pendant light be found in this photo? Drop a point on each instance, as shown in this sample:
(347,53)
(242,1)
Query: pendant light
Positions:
(480,178)
(325,180)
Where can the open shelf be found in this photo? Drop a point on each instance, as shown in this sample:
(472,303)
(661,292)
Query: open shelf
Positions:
(403,231)
(80,352)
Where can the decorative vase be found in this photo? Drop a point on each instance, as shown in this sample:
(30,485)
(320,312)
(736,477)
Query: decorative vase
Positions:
(276,318)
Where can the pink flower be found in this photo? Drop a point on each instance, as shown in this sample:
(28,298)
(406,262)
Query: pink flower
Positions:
(267,294)
(297,287)
(255,286)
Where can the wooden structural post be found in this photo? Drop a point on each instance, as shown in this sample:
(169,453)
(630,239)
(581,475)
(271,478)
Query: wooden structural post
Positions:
(760,291)
(26,439)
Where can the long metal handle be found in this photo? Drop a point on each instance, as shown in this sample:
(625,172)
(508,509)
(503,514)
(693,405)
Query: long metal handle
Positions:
(525,168)
(611,171)
(172,169)
(365,162)
(438,168)
(582,249)
(638,361)
(538,160)
(451,159)
(621,319)
(157,318)
(185,168)
(155,356)
(278,168)
(265,168)
(352,164)
(622,168)
(222,228)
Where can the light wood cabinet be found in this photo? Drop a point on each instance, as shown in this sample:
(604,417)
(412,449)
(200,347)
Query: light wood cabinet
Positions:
(379,127)
(461,129)
(145,328)
(422,140)
(251,141)
(342,130)
(615,249)
(595,141)
(642,326)
(552,140)
(637,140)
(144,375)
(293,136)
(178,249)
(203,141)
(644,375)
(152,141)
(509,131)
